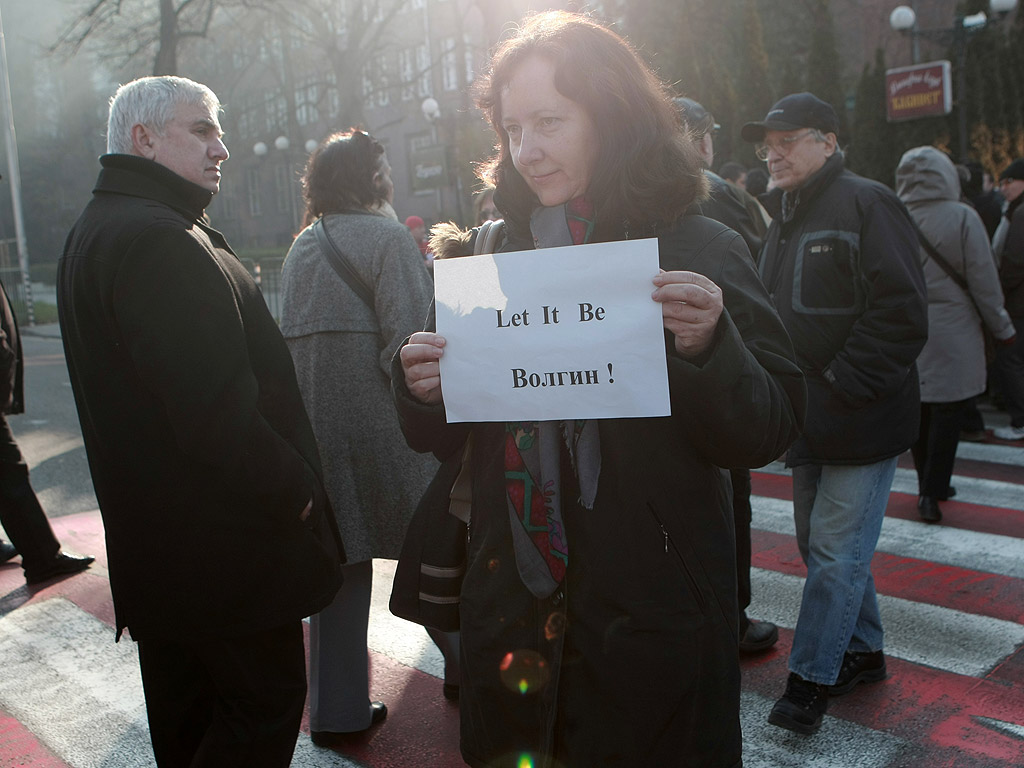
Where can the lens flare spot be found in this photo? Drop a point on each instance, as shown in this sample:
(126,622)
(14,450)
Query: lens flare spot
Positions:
(525,761)
(554,627)
(493,565)
(524,671)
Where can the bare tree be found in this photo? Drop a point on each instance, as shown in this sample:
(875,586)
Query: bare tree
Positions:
(129,30)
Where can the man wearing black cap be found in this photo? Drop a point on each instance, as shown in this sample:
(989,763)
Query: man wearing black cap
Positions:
(726,205)
(1008,243)
(841,263)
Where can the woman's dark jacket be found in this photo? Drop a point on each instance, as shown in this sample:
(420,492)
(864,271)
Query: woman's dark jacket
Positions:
(842,267)
(12,374)
(200,449)
(1011,263)
(646,672)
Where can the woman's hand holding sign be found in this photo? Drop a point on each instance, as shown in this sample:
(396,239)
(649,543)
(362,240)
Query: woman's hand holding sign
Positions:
(422,370)
(690,305)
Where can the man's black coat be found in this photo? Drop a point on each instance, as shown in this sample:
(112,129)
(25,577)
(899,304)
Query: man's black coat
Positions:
(201,452)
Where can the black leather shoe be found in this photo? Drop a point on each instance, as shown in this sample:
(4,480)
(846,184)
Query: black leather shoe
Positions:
(950,493)
(378,711)
(803,706)
(63,564)
(928,508)
(7,551)
(450,691)
(864,667)
(758,636)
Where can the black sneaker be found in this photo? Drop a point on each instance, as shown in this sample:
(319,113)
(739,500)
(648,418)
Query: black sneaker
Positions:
(757,636)
(864,667)
(802,707)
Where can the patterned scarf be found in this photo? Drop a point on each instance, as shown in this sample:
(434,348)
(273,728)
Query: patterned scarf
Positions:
(533,450)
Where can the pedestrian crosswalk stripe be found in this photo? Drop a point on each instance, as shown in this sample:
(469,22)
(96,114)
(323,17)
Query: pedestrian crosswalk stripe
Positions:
(766,746)
(954,641)
(953,546)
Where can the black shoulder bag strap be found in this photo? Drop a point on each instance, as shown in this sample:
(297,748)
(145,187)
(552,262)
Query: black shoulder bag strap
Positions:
(340,264)
(937,257)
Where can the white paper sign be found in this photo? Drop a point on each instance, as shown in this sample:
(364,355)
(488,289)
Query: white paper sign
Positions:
(556,333)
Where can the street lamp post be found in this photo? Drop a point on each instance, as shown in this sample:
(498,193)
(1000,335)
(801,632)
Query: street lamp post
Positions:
(904,19)
(283,144)
(432,114)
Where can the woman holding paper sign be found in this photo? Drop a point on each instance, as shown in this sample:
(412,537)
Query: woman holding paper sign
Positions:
(598,608)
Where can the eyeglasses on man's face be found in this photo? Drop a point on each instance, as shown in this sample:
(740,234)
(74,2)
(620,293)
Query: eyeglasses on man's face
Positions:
(782,146)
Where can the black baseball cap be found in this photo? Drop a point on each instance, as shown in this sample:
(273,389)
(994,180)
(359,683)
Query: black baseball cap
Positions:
(699,120)
(1014,170)
(790,113)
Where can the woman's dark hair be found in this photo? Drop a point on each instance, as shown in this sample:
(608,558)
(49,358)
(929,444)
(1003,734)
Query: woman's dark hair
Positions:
(340,174)
(648,170)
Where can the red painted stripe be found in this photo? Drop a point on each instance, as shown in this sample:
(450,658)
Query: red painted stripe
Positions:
(955,514)
(422,727)
(940,712)
(983,470)
(974,592)
(18,747)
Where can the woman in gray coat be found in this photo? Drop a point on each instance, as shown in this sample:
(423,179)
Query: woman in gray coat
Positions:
(952,363)
(342,348)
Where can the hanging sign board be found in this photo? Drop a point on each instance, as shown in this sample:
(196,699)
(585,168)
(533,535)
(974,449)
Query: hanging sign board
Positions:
(923,90)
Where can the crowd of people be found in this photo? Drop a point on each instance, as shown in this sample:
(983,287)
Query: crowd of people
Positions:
(248,471)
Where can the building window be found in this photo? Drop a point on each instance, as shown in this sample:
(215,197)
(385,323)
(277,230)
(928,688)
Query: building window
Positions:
(382,81)
(252,186)
(467,47)
(307,97)
(282,188)
(449,66)
(423,68)
(407,73)
(228,205)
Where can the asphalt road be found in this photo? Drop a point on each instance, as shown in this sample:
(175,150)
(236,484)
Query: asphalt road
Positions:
(48,432)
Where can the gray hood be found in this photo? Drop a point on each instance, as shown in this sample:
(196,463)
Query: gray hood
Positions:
(926,173)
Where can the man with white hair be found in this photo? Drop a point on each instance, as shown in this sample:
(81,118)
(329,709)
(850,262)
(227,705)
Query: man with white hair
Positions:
(219,535)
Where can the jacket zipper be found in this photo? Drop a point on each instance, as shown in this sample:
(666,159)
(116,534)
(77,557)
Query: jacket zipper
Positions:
(682,561)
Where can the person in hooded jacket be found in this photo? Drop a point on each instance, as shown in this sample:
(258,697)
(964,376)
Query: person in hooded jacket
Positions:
(952,364)
(599,620)
(1008,243)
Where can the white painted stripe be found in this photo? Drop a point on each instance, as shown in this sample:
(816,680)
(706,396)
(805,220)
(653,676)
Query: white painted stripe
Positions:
(924,634)
(994,453)
(401,640)
(70,685)
(988,552)
(839,743)
(974,490)
(81,695)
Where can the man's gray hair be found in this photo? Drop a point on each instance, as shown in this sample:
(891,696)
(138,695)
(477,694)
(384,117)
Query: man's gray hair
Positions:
(151,101)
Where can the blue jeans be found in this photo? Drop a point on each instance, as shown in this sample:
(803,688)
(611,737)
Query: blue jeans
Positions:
(838,512)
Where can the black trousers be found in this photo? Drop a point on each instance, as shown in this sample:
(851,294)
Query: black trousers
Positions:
(742,515)
(225,703)
(21,514)
(935,450)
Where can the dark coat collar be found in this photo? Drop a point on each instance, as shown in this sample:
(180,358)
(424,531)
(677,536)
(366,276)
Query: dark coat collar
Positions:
(818,180)
(139,177)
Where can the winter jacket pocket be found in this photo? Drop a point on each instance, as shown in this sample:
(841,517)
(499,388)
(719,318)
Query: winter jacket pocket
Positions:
(673,551)
(826,276)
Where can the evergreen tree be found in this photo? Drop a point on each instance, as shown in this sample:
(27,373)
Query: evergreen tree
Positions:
(755,94)
(868,153)
(824,69)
